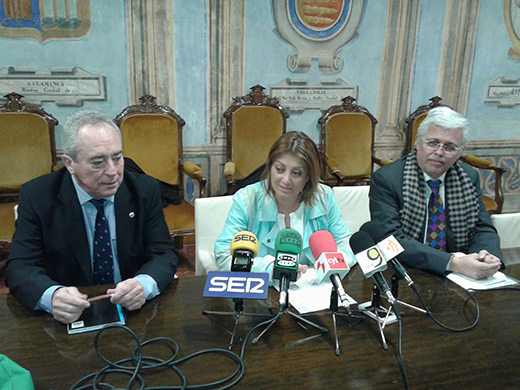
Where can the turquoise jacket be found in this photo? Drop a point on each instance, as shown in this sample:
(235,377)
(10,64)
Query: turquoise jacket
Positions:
(256,211)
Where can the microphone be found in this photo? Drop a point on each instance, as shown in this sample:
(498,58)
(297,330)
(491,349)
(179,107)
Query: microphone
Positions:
(390,248)
(243,248)
(288,246)
(240,282)
(371,261)
(330,264)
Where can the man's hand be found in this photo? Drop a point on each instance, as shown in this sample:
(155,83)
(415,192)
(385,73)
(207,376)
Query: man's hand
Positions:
(129,293)
(68,304)
(476,265)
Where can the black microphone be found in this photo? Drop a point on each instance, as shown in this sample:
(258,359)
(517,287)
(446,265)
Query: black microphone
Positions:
(374,231)
(371,261)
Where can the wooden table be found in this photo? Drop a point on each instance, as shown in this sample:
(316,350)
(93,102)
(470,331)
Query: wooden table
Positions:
(488,356)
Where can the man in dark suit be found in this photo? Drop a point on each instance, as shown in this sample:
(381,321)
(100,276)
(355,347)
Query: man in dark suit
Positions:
(56,244)
(402,192)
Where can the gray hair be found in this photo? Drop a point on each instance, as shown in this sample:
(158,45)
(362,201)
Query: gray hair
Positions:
(446,118)
(75,122)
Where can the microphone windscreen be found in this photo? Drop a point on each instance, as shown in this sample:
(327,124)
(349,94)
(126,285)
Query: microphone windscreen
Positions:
(361,241)
(244,240)
(322,241)
(373,229)
(289,241)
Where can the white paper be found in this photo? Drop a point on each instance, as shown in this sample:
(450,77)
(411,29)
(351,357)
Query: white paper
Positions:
(307,295)
(499,279)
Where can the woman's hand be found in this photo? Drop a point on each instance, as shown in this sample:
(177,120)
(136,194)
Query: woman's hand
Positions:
(301,270)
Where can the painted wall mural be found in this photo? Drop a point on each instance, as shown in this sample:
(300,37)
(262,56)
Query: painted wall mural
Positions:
(44,19)
(317,29)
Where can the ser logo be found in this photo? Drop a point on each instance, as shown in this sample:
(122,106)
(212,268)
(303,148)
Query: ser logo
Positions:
(248,237)
(252,285)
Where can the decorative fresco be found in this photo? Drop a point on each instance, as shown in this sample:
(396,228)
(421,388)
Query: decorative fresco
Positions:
(317,29)
(318,19)
(44,20)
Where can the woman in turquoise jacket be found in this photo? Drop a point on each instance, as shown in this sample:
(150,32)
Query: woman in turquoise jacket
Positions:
(290,196)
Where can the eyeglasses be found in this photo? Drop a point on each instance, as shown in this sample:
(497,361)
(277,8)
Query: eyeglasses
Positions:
(449,148)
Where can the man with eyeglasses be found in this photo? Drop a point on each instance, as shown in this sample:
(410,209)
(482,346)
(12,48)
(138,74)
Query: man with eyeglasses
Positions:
(432,203)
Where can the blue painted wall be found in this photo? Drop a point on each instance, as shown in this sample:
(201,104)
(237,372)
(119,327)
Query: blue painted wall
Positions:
(266,59)
(102,51)
(191,68)
(428,52)
(491,61)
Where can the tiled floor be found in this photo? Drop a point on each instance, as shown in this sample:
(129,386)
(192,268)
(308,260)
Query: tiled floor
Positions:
(186,265)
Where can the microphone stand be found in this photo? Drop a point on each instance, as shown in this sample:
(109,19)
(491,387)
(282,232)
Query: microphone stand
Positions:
(284,304)
(334,299)
(334,312)
(238,313)
(381,314)
(395,293)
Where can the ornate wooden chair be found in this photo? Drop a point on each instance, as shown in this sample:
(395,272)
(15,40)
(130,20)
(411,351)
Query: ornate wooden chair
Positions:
(152,138)
(493,203)
(347,144)
(27,150)
(253,123)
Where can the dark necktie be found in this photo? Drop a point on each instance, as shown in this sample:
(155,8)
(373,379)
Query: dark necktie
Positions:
(436,232)
(103,263)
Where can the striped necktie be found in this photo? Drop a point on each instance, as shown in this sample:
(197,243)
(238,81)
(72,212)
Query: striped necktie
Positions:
(103,263)
(436,232)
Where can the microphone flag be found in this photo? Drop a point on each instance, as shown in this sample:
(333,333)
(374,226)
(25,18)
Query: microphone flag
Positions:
(328,260)
(288,246)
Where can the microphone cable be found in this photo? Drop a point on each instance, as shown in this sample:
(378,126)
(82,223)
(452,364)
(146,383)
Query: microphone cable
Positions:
(266,323)
(400,353)
(430,314)
(147,363)
(434,319)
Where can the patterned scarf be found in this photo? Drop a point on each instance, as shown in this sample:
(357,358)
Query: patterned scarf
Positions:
(461,202)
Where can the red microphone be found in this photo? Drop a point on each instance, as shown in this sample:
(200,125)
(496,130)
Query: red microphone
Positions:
(330,263)
(328,260)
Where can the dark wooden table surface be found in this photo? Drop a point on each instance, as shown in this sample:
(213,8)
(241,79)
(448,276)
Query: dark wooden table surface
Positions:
(287,357)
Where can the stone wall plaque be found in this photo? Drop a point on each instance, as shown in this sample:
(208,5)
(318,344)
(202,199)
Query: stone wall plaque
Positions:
(297,95)
(505,92)
(66,86)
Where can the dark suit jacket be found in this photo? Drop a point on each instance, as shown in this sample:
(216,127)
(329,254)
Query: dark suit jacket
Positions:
(386,203)
(50,243)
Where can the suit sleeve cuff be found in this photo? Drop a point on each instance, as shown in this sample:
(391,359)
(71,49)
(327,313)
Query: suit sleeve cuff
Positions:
(448,265)
(149,284)
(45,302)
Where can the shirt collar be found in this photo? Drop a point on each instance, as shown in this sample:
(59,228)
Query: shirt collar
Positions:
(83,197)
(441,178)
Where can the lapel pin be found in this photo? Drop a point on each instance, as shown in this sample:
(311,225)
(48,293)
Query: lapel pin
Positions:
(131,214)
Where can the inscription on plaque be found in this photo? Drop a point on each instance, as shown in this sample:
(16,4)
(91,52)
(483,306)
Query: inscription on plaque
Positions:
(64,86)
(505,92)
(298,95)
